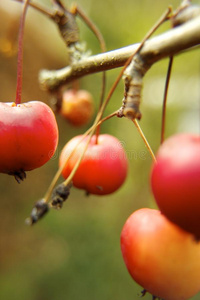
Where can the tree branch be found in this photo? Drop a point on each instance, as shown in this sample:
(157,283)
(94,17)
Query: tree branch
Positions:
(167,44)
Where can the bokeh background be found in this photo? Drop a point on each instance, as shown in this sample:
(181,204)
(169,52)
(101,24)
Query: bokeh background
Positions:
(75,253)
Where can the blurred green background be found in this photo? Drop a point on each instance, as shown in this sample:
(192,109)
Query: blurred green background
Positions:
(75,253)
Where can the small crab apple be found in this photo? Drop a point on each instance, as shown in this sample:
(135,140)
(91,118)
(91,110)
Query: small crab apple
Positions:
(175,181)
(103,168)
(28,131)
(160,256)
(28,135)
(77,106)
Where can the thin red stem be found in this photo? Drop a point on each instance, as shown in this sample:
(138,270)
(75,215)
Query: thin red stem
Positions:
(20,54)
(165,99)
(102,43)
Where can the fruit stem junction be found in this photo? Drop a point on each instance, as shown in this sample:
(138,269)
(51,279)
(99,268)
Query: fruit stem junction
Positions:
(20,54)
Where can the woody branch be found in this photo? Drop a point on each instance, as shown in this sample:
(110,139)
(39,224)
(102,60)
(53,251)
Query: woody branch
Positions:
(170,43)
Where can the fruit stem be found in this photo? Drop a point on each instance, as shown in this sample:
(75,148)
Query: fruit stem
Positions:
(102,43)
(44,11)
(144,139)
(20,54)
(163,18)
(165,99)
(69,179)
(96,124)
(75,85)
(102,108)
(58,173)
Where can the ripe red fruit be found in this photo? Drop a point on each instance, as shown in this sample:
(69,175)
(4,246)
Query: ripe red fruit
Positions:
(28,135)
(103,168)
(77,107)
(160,256)
(175,181)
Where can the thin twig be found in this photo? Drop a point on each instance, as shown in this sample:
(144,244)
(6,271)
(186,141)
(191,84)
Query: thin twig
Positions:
(134,73)
(102,43)
(92,27)
(20,53)
(41,9)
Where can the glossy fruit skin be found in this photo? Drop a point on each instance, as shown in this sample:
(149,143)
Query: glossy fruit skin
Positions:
(161,257)
(175,181)
(104,166)
(77,107)
(28,135)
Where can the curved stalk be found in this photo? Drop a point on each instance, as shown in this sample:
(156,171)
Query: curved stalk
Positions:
(20,54)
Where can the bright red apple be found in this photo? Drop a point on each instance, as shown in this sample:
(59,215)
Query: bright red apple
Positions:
(103,168)
(175,181)
(161,257)
(28,135)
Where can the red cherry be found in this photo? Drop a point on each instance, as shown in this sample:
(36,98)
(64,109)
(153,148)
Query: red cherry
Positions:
(77,107)
(161,257)
(28,134)
(103,168)
(175,181)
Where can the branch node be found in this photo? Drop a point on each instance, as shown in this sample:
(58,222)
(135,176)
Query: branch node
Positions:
(133,79)
(185,13)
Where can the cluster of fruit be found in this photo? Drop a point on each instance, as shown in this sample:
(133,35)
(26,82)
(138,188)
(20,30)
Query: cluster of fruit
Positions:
(29,135)
(103,168)
(161,249)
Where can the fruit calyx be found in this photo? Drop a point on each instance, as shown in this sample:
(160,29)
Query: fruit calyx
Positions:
(19,175)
